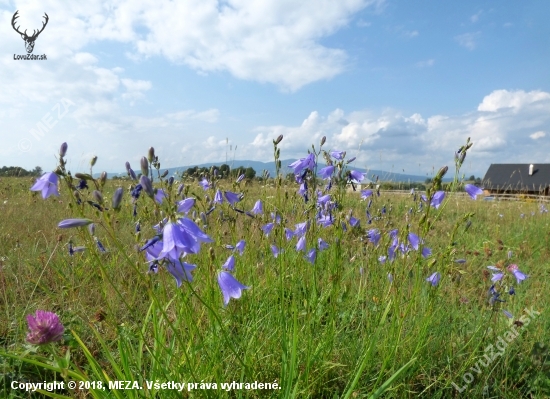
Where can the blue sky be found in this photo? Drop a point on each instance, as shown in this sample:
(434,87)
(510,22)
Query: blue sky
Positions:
(399,84)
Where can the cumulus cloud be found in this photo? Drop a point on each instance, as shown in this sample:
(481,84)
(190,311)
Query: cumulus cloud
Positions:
(538,135)
(389,139)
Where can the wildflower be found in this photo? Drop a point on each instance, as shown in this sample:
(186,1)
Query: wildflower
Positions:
(232,198)
(339,155)
(91,228)
(229,264)
(353,222)
(276,218)
(326,172)
(267,228)
(434,279)
(147,185)
(382,259)
(301,229)
(301,245)
(82,184)
(365,194)
(63,150)
(461,261)
(181,271)
(218,198)
(258,208)
(240,246)
(132,175)
(437,199)
(473,191)
(70,223)
(144,166)
(230,286)
(356,176)
(517,273)
(47,183)
(303,189)
(99,245)
(494,296)
(288,234)
(240,178)
(205,184)
(323,200)
(322,244)
(497,277)
(303,163)
(136,191)
(186,205)
(426,252)
(117,198)
(390,278)
(325,220)
(274,250)
(311,255)
(511,291)
(414,240)
(351,160)
(374,236)
(44,327)
(176,242)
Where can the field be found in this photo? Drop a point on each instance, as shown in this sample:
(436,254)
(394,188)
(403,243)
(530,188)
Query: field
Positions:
(336,322)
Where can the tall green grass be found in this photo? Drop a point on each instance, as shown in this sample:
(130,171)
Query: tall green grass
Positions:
(335,329)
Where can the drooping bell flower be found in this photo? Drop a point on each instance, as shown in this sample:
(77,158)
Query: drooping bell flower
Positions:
(47,184)
(230,286)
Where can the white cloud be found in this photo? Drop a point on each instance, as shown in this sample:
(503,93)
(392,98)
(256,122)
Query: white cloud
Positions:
(517,99)
(468,40)
(538,135)
(388,139)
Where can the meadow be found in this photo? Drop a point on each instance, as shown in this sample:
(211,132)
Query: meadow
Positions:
(361,294)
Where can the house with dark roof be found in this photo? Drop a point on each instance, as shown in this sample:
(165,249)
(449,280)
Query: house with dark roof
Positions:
(516,178)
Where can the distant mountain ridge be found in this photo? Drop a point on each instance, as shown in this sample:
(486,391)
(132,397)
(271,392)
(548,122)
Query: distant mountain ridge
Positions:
(259,167)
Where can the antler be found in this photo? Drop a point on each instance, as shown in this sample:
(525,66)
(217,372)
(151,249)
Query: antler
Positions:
(34,33)
(43,25)
(15,16)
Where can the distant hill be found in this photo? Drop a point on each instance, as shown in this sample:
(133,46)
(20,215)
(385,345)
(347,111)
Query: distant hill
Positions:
(270,167)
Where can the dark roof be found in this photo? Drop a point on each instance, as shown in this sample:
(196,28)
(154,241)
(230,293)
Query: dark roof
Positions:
(515,177)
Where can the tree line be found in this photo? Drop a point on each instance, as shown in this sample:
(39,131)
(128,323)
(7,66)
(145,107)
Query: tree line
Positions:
(16,171)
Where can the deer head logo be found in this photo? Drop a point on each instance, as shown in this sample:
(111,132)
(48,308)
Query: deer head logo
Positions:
(29,40)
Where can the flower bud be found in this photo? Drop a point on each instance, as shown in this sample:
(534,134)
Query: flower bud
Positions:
(278,139)
(117,198)
(93,161)
(180,189)
(147,185)
(144,166)
(165,173)
(83,176)
(63,150)
(441,172)
(132,174)
(97,196)
(323,140)
(91,228)
(151,154)
(171,180)
(103,178)
(127,164)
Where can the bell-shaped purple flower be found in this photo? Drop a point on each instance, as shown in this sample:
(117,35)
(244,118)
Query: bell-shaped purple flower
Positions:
(181,271)
(301,245)
(230,286)
(516,272)
(356,176)
(434,279)
(437,199)
(322,244)
(205,184)
(240,246)
(185,205)
(232,198)
(267,228)
(160,195)
(326,172)
(147,185)
(339,155)
(44,327)
(374,236)
(258,208)
(229,264)
(288,234)
(365,194)
(497,277)
(311,255)
(301,229)
(354,222)
(414,240)
(323,200)
(473,191)
(426,252)
(274,250)
(303,163)
(218,198)
(177,242)
(47,184)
